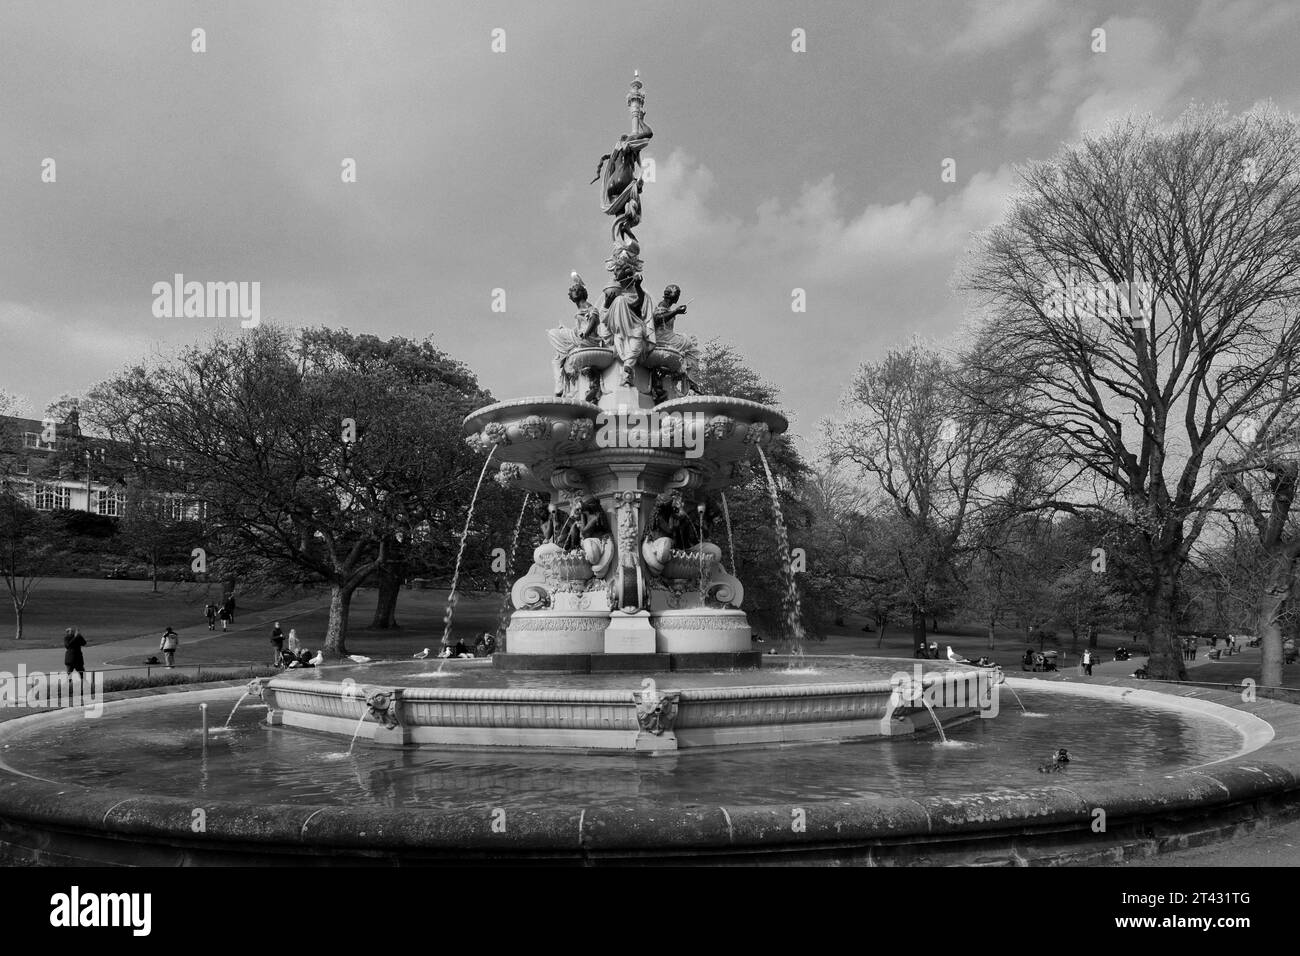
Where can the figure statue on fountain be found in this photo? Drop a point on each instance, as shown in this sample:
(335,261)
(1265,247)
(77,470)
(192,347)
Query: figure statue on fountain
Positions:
(588,331)
(595,538)
(665,316)
(620,171)
(626,310)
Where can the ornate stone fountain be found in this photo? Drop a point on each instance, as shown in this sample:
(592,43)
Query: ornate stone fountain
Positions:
(625,579)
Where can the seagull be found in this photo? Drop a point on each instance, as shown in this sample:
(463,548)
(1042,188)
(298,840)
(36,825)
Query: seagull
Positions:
(421,655)
(952,656)
(319,659)
(358,659)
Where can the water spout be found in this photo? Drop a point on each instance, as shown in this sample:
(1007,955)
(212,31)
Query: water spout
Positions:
(935,717)
(460,553)
(791,606)
(1017,697)
(731,548)
(510,563)
(364,714)
(203,716)
(242,697)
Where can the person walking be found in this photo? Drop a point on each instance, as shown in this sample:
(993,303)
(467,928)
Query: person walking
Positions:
(223,615)
(73,659)
(210,612)
(1087,661)
(277,643)
(229,605)
(168,644)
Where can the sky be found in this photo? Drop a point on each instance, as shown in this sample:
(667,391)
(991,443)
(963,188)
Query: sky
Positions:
(776,169)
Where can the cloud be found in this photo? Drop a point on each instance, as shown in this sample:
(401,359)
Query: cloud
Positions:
(995,24)
(1143,69)
(815,232)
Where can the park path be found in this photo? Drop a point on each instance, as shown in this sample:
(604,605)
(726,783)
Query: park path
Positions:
(134,650)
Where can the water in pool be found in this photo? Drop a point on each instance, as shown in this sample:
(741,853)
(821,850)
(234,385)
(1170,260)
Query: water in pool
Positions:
(159,752)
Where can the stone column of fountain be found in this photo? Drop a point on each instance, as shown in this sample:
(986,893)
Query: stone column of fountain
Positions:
(610,587)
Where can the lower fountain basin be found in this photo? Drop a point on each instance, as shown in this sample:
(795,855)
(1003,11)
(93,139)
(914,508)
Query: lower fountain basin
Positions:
(623,712)
(1168,768)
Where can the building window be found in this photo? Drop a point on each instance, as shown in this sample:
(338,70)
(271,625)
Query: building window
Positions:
(177,509)
(176,464)
(33,440)
(51,497)
(110,503)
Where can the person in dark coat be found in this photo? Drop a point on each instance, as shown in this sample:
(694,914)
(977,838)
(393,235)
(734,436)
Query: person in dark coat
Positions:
(73,659)
(277,642)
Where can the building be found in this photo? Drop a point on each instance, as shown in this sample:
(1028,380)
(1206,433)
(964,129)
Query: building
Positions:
(53,466)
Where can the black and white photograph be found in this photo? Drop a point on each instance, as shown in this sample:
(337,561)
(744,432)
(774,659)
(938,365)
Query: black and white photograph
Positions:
(673,434)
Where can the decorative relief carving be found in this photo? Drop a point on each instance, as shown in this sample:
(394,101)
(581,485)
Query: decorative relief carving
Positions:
(701,622)
(535,427)
(593,623)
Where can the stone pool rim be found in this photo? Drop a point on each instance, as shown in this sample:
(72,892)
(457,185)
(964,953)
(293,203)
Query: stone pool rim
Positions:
(1053,823)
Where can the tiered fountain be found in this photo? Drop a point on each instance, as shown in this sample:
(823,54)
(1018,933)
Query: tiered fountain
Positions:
(627,578)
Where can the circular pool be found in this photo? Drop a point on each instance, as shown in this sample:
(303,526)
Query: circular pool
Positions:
(1149,770)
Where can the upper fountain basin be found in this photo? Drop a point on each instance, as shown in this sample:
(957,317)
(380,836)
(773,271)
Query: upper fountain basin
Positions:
(530,430)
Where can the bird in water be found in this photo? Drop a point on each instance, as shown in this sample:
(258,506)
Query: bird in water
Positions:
(421,655)
(1057,763)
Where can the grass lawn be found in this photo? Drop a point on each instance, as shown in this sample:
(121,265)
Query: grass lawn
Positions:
(419,614)
(107,611)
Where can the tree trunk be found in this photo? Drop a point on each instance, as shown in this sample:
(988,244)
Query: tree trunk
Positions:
(918,629)
(18,623)
(390,586)
(1092,636)
(1166,659)
(336,631)
(1277,586)
(992,634)
(153,574)
(880,626)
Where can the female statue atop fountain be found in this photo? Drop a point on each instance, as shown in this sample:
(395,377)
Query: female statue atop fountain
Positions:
(620,173)
(627,308)
(665,316)
(588,332)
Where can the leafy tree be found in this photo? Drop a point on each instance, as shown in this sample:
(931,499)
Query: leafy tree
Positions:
(314,457)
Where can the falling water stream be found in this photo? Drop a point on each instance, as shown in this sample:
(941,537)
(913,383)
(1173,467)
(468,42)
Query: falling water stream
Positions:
(510,565)
(1016,696)
(460,553)
(935,717)
(791,608)
(731,548)
(235,708)
(364,714)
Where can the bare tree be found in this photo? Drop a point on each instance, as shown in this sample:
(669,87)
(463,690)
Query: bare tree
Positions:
(1141,392)
(908,428)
